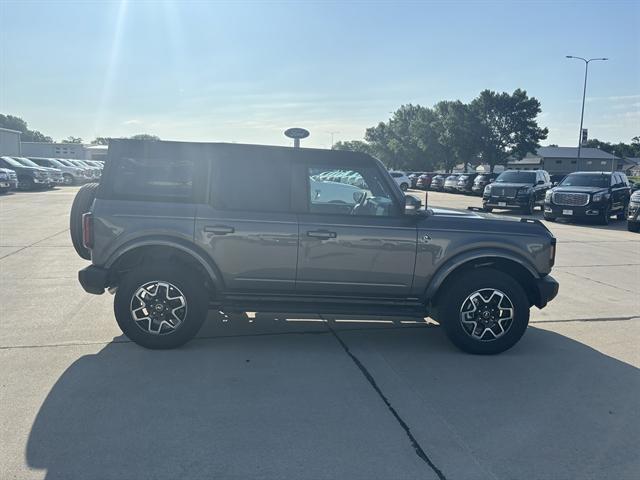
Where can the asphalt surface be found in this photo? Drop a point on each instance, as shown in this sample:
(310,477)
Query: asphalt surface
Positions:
(273,397)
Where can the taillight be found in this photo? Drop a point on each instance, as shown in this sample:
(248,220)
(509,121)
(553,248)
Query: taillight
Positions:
(87,230)
(552,252)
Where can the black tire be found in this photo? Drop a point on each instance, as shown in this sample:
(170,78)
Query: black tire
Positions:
(191,288)
(528,210)
(4,190)
(81,204)
(68,179)
(404,186)
(455,297)
(549,218)
(488,209)
(26,183)
(623,214)
(633,227)
(606,215)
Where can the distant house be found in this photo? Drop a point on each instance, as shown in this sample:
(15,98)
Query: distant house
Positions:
(563,160)
(634,166)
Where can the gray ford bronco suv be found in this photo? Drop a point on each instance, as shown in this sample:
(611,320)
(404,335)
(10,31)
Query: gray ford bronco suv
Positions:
(175,229)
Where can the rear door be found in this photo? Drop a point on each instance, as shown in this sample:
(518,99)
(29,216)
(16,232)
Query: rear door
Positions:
(354,239)
(247,226)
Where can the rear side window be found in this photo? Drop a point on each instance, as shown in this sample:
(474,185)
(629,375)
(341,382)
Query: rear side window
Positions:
(251,184)
(153,179)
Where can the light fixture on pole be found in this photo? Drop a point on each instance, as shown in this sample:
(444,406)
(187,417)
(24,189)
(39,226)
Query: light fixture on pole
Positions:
(584,92)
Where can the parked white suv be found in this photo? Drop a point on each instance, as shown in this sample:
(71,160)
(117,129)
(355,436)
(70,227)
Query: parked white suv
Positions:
(401,179)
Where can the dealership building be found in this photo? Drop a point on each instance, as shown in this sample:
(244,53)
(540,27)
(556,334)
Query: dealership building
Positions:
(76,151)
(10,142)
(563,160)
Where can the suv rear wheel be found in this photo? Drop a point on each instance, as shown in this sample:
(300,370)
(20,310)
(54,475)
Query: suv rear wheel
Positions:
(404,186)
(160,307)
(484,311)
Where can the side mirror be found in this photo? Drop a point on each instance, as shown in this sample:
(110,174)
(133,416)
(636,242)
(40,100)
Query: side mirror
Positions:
(412,205)
(555,184)
(357,196)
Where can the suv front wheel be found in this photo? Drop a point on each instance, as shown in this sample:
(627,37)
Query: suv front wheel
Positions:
(160,307)
(484,311)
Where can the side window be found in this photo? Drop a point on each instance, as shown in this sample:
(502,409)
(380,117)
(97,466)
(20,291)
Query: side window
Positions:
(349,192)
(614,180)
(251,184)
(153,179)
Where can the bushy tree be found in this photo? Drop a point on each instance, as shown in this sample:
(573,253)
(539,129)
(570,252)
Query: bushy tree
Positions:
(507,125)
(16,123)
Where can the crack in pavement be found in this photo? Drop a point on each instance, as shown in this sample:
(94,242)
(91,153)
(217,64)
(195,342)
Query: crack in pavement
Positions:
(34,243)
(598,281)
(414,442)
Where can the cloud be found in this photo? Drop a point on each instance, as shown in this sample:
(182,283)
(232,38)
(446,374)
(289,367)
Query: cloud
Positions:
(133,121)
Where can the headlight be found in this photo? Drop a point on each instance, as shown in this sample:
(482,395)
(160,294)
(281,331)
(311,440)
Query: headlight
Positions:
(598,197)
(4,176)
(635,197)
(487,189)
(524,191)
(547,196)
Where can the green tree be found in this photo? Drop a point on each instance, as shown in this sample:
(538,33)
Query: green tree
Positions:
(507,125)
(144,136)
(100,141)
(72,139)
(459,133)
(354,146)
(16,123)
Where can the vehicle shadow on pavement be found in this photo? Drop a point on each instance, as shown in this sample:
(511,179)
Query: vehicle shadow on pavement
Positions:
(271,401)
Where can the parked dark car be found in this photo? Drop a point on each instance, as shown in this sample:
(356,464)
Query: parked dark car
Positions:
(173,236)
(55,174)
(424,181)
(633,212)
(451,183)
(437,182)
(482,181)
(596,195)
(517,189)
(8,180)
(465,182)
(29,178)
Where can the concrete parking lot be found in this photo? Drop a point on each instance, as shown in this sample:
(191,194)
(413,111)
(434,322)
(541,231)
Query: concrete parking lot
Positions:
(274,396)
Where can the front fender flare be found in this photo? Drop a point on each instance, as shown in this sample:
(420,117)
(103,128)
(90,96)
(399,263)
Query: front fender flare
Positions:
(476,256)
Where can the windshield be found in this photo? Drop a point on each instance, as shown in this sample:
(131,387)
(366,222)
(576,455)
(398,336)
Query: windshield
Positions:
(517,177)
(12,162)
(585,181)
(26,162)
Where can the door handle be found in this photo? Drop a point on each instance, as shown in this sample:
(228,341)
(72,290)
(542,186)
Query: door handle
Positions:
(219,229)
(321,234)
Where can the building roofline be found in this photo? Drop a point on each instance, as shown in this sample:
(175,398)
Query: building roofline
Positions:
(10,130)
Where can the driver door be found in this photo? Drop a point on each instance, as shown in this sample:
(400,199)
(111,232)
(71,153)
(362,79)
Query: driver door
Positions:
(353,238)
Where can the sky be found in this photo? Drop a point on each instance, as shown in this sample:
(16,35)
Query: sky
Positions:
(245,71)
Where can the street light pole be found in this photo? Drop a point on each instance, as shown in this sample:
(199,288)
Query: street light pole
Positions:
(584,94)
(332,134)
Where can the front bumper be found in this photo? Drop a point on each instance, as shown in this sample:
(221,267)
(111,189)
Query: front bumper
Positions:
(547,290)
(633,215)
(93,279)
(591,210)
(505,202)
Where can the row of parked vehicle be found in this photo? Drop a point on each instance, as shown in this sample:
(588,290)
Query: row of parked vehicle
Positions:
(591,195)
(33,173)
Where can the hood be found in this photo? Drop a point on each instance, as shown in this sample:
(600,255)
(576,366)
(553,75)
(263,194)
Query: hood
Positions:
(577,189)
(472,214)
(511,185)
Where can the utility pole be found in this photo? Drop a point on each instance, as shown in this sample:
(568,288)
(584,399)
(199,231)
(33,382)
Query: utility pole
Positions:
(584,93)
(332,134)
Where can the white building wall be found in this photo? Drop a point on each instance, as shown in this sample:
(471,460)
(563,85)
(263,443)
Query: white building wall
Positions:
(9,142)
